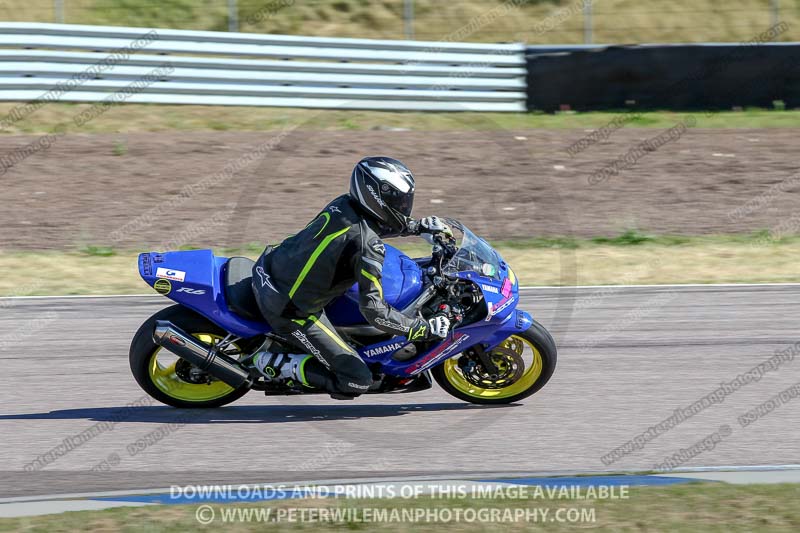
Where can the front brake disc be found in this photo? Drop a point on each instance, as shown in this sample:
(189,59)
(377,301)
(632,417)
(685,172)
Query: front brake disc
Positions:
(510,366)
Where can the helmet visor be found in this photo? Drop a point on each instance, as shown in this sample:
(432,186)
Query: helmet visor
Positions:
(399,201)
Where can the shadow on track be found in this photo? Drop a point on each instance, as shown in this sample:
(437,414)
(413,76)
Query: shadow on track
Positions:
(247,414)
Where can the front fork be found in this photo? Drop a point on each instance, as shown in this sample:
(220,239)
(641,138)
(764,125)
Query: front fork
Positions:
(486,360)
(517,323)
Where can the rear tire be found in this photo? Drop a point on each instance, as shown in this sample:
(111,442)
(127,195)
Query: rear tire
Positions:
(545,356)
(167,387)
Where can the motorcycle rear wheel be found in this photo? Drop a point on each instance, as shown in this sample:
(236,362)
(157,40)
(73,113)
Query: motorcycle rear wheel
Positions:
(158,371)
(520,379)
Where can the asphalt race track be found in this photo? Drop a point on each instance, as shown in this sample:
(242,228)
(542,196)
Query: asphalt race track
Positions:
(628,357)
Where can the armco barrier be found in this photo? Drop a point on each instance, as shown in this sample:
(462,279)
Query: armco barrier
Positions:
(77,63)
(216,68)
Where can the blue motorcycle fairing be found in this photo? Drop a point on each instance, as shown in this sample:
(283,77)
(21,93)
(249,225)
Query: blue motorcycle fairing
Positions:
(382,351)
(401,282)
(501,296)
(195,279)
(201,288)
(502,321)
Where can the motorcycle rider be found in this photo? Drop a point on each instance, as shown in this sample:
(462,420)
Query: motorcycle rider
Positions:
(296,279)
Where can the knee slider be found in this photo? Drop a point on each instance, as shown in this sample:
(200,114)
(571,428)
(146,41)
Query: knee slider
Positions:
(352,374)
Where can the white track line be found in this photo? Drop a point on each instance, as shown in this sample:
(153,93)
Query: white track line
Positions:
(525,288)
(391,479)
(744,468)
(77,296)
(298,483)
(666,285)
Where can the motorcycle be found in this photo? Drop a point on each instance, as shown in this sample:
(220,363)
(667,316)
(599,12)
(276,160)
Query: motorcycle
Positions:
(197,353)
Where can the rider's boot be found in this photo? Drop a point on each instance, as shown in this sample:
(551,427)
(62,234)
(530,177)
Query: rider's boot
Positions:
(294,369)
(282,367)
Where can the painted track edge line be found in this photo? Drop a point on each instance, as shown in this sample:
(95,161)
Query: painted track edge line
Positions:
(466,476)
(664,285)
(524,288)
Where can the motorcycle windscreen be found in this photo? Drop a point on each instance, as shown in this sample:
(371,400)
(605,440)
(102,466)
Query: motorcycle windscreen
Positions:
(401,281)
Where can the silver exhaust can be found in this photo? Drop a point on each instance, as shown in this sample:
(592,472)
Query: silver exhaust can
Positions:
(201,355)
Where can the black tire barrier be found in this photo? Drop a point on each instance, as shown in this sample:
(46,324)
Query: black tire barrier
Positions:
(669,77)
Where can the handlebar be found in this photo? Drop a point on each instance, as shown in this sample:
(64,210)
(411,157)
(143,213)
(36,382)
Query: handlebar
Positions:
(455,317)
(443,250)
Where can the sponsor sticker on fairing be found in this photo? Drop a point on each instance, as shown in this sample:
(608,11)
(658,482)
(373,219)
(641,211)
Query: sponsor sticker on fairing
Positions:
(499,307)
(380,350)
(188,290)
(444,350)
(506,288)
(162,286)
(168,273)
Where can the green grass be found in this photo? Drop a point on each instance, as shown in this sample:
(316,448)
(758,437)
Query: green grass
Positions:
(630,258)
(98,251)
(679,508)
(534,21)
(120,148)
(634,237)
(629,238)
(131,118)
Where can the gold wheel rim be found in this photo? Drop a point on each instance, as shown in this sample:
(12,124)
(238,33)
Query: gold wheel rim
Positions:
(529,377)
(163,376)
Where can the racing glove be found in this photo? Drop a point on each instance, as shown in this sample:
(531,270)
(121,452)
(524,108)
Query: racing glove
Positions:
(432,225)
(439,326)
(429,226)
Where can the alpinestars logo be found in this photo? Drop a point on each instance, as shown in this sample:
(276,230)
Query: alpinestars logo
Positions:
(376,196)
(378,247)
(416,335)
(299,335)
(389,324)
(383,349)
(265,282)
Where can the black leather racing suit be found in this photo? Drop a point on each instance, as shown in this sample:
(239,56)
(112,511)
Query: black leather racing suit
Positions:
(296,279)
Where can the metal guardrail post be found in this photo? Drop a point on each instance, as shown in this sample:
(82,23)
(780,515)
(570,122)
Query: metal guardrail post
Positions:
(775,8)
(233,16)
(408,18)
(587,22)
(58,10)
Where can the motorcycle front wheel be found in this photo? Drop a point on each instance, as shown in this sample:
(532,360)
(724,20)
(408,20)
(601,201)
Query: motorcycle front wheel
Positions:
(525,362)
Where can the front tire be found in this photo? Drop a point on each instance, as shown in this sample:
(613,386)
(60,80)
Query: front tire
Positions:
(154,367)
(526,372)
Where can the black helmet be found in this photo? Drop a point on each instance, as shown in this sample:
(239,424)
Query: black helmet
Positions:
(384,188)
